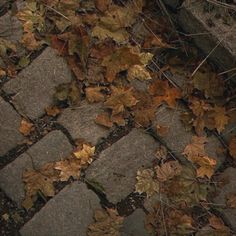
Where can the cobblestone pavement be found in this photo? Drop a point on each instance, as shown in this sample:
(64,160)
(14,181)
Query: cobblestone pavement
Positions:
(70,211)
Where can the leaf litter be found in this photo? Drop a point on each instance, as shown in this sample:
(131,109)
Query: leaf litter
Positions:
(106,54)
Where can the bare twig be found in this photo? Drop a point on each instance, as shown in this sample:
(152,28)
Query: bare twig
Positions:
(194,72)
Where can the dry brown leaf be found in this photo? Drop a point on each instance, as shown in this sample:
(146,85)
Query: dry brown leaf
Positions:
(231,201)
(26,127)
(118,119)
(146,182)
(221,119)
(102,5)
(29,41)
(104,120)
(162,130)
(168,170)
(95,94)
(68,168)
(52,111)
(138,72)
(85,154)
(120,99)
(232,147)
(38,181)
(161,153)
(196,147)
(107,222)
(162,92)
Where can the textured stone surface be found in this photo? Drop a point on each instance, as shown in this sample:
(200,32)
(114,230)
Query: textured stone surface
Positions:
(117,166)
(11,177)
(79,121)
(178,137)
(228,177)
(134,224)
(54,146)
(197,23)
(34,87)
(68,213)
(10,136)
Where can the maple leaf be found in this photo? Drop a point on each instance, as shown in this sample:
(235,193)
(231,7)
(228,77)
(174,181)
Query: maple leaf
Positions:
(68,168)
(146,182)
(232,147)
(85,154)
(107,222)
(231,201)
(138,72)
(122,59)
(38,181)
(95,94)
(164,93)
(26,127)
(168,170)
(196,147)
(120,99)
(220,118)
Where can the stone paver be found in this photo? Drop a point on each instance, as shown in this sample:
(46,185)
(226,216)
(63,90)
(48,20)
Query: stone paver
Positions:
(10,136)
(117,166)
(134,225)
(198,23)
(68,213)
(52,147)
(80,122)
(34,87)
(178,137)
(228,177)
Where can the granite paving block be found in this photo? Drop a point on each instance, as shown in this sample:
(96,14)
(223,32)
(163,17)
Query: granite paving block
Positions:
(10,136)
(209,30)
(80,122)
(116,168)
(177,137)
(134,225)
(53,147)
(68,213)
(226,188)
(34,86)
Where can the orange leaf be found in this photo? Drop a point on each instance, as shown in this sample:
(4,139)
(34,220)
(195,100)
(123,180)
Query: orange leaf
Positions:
(104,120)
(25,127)
(94,94)
(52,111)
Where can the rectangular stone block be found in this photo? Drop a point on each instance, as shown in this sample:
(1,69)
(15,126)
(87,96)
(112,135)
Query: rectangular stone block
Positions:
(116,168)
(53,147)
(177,137)
(80,122)
(209,30)
(34,86)
(68,214)
(10,136)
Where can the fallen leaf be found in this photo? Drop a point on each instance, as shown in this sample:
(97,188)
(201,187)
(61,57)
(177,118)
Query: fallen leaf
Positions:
(161,153)
(146,182)
(104,120)
(94,94)
(162,130)
(196,147)
(120,99)
(107,222)
(144,116)
(102,5)
(138,72)
(231,201)
(26,127)
(29,41)
(52,111)
(68,168)
(85,154)
(232,147)
(168,170)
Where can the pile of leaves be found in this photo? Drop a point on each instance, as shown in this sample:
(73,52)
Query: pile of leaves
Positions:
(113,47)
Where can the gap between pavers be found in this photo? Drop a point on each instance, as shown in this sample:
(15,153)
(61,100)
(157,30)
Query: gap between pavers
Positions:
(67,214)
(53,147)
(10,136)
(116,167)
(34,87)
(80,122)
(227,182)
(177,137)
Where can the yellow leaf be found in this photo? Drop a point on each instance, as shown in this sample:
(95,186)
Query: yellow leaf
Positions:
(146,182)
(85,155)
(138,72)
